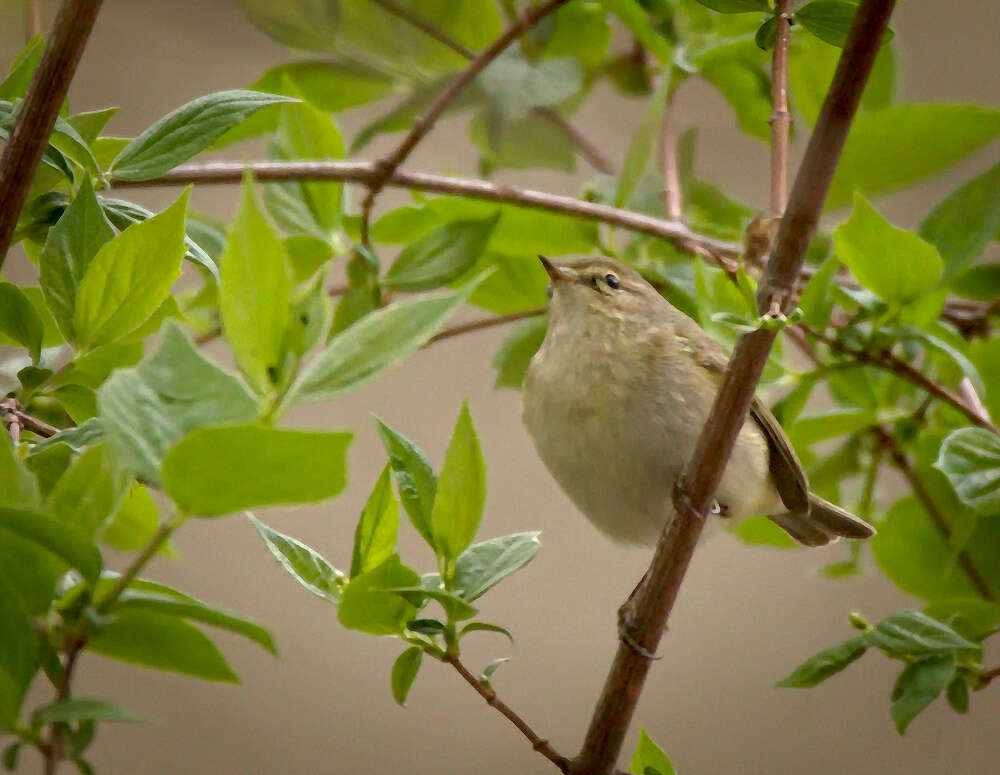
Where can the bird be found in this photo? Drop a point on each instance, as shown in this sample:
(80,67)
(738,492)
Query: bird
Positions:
(615,399)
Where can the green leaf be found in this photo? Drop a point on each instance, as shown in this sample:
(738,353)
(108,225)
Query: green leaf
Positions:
(186,131)
(533,141)
(90,491)
(970,458)
(404,672)
(77,439)
(307,133)
(404,224)
(133,525)
(829,425)
(828,20)
(461,491)
(963,224)
(80,709)
(958,694)
(761,531)
(516,351)
(747,89)
(635,18)
(330,86)
(892,147)
(914,634)
(894,263)
(440,257)
(455,608)
(514,85)
(170,602)
(970,617)
(90,123)
(19,656)
(22,69)
(70,246)
(825,664)
(579,30)
(146,409)
(643,142)
(373,344)
(18,487)
(163,643)
(255,323)
(766,34)
(277,467)
(648,755)
(485,627)
(19,321)
(130,277)
(366,606)
(375,535)
(414,477)
(917,687)
(482,566)
(304,565)
(64,541)
(815,301)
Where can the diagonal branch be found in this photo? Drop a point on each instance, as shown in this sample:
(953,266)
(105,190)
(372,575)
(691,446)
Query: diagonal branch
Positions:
(645,616)
(38,112)
(387,166)
(673,202)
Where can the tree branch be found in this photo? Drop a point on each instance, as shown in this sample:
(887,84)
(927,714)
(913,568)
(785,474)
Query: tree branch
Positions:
(886,361)
(53,750)
(35,117)
(903,465)
(487,693)
(673,202)
(987,676)
(781,119)
(720,252)
(645,616)
(422,125)
(32,19)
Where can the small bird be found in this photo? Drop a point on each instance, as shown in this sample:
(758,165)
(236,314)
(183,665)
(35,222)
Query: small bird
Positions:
(616,397)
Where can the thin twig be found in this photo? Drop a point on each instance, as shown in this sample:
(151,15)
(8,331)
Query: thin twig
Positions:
(53,750)
(487,693)
(903,465)
(718,251)
(160,537)
(886,361)
(781,119)
(17,419)
(987,676)
(35,117)
(479,325)
(32,19)
(422,125)
(673,202)
(645,616)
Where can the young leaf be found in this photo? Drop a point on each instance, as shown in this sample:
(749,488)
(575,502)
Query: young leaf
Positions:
(134,523)
(483,565)
(440,257)
(634,16)
(276,467)
(766,33)
(19,321)
(80,709)
(90,491)
(404,672)
(255,323)
(894,263)
(917,687)
(414,477)
(826,663)
(643,141)
(186,131)
(161,642)
(373,344)
(914,634)
(304,565)
(22,69)
(649,758)
(485,627)
(828,20)
(970,458)
(64,541)
(375,535)
(148,408)
(130,277)
(367,606)
(455,608)
(461,492)
(963,224)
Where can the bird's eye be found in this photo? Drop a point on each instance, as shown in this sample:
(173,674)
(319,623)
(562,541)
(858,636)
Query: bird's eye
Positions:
(612,281)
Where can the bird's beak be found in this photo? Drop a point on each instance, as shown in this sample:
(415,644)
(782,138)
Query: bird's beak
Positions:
(555,273)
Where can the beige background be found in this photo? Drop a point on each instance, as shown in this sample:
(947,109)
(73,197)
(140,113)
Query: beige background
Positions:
(744,618)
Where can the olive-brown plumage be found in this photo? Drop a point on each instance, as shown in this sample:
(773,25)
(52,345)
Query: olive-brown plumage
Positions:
(616,397)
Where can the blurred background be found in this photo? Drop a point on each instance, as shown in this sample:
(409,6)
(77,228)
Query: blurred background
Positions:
(745,617)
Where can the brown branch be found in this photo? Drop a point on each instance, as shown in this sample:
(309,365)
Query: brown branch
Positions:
(53,750)
(14,416)
(32,19)
(673,202)
(718,251)
(886,361)
(781,119)
(987,676)
(35,117)
(903,465)
(487,693)
(644,617)
(422,125)
(479,325)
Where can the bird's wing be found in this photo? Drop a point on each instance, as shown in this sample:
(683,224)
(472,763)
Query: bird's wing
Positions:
(786,470)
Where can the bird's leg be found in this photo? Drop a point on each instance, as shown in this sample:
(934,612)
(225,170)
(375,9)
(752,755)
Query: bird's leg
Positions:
(626,626)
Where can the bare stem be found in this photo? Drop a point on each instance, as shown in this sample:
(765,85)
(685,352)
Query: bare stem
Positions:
(487,693)
(422,125)
(479,325)
(717,251)
(781,119)
(673,203)
(903,465)
(645,616)
(35,117)
(987,676)
(138,563)
(53,750)
(32,19)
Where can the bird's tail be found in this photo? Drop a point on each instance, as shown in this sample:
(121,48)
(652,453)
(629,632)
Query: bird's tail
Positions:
(824,523)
